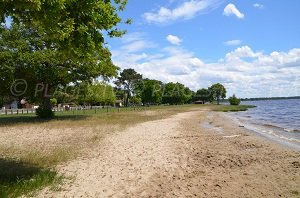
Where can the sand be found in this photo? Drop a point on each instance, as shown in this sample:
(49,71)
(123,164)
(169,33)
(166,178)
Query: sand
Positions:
(192,154)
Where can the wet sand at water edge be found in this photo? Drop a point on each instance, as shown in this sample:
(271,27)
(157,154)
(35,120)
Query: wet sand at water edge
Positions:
(191,154)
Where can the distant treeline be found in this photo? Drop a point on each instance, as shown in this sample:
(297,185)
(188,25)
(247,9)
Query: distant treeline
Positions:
(271,98)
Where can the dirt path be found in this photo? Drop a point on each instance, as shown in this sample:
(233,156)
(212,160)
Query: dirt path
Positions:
(193,154)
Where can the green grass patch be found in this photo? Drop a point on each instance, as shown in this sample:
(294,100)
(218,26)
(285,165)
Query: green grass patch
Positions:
(82,115)
(232,108)
(18,178)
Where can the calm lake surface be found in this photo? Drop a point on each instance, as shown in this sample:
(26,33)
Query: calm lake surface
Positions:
(276,119)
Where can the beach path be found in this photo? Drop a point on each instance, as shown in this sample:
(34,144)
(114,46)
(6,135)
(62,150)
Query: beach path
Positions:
(191,154)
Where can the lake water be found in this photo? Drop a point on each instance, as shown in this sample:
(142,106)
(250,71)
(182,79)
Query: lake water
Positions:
(275,119)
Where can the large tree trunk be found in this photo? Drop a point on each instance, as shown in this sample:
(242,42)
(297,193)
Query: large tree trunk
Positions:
(127,98)
(46,103)
(45,110)
(218,100)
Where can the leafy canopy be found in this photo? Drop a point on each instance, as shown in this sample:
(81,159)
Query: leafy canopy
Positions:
(150,91)
(218,92)
(233,100)
(203,95)
(176,93)
(56,42)
(127,81)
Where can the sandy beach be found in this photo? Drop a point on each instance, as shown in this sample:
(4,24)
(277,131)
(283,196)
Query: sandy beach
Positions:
(191,154)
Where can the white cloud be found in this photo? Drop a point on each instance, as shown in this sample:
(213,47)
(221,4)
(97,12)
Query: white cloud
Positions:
(187,10)
(244,71)
(134,36)
(242,52)
(231,9)
(173,39)
(233,42)
(259,6)
(135,42)
(281,59)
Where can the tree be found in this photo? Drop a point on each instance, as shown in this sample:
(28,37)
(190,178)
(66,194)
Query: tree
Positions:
(127,81)
(203,95)
(218,92)
(176,93)
(135,100)
(233,100)
(66,95)
(55,43)
(76,25)
(188,95)
(96,94)
(150,91)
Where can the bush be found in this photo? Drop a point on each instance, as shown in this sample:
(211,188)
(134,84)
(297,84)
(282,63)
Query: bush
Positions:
(44,113)
(233,100)
(53,101)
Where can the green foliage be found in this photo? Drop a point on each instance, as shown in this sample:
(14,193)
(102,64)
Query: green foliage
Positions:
(176,93)
(64,96)
(127,81)
(233,108)
(44,113)
(55,43)
(203,95)
(150,91)
(217,92)
(135,100)
(44,69)
(53,101)
(77,25)
(233,100)
(96,94)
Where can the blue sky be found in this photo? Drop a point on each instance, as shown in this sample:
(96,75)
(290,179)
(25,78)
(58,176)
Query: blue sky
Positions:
(250,46)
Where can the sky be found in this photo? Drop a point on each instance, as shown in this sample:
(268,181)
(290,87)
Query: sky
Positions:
(252,47)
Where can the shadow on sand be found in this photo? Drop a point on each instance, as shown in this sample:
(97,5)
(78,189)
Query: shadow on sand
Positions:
(17,178)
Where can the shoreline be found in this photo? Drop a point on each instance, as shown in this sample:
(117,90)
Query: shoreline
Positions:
(265,131)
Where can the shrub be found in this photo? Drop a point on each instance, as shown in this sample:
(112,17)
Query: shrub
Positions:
(53,101)
(44,113)
(233,100)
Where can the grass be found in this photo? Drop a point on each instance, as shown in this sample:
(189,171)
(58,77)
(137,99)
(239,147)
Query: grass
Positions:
(14,119)
(232,108)
(18,178)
